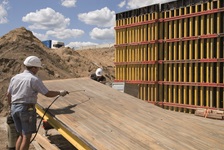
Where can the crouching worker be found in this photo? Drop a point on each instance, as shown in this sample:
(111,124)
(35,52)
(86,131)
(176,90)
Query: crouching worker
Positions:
(98,76)
(22,97)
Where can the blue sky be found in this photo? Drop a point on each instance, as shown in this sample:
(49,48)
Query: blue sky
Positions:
(74,22)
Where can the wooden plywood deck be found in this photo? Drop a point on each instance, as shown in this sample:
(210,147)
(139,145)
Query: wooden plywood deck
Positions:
(110,120)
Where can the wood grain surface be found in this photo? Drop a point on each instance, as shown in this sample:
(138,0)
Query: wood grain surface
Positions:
(111,120)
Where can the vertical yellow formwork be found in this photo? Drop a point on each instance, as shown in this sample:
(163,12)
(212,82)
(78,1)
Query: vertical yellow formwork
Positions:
(153,50)
(141,51)
(191,42)
(212,64)
(202,54)
(186,30)
(156,57)
(149,56)
(175,57)
(118,24)
(127,48)
(218,55)
(132,48)
(166,36)
(170,57)
(160,55)
(124,51)
(180,57)
(202,77)
(218,98)
(211,98)
(141,77)
(144,48)
(184,60)
(196,55)
(208,56)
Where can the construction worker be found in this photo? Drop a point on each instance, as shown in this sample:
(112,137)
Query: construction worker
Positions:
(98,76)
(22,97)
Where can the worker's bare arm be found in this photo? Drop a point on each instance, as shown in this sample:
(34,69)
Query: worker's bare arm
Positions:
(9,98)
(52,93)
(56,93)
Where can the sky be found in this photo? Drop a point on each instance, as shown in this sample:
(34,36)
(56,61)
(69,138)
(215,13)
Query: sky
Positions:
(77,23)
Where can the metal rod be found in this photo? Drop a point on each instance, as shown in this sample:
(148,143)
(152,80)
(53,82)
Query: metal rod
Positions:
(77,91)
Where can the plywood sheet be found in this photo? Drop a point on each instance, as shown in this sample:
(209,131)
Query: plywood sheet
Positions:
(108,119)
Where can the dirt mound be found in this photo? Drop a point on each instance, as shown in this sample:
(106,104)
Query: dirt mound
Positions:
(61,63)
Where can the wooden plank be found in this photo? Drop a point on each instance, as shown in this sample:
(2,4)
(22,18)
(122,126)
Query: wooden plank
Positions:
(37,146)
(45,143)
(109,119)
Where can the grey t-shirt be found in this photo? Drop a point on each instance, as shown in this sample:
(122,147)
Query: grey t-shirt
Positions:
(24,88)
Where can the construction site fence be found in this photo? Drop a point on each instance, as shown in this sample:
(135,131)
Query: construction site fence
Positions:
(174,52)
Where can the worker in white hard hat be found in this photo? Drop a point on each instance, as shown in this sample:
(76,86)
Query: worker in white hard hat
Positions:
(22,97)
(98,76)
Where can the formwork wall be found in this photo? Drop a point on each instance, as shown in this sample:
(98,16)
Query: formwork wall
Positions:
(174,52)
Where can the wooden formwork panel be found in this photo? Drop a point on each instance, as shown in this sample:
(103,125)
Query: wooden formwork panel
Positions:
(104,118)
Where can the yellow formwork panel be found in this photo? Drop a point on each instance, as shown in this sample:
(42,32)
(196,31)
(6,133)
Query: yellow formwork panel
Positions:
(208,31)
(186,53)
(211,75)
(170,57)
(218,77)
(180,57)
(175,57)
(170,74)
(129,30)
(202,78)
(185,73)
(190,72)
(196,56)
(207,72)
(166,45)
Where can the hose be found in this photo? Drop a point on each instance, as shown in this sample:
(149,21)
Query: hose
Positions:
(46,112)
(43,118)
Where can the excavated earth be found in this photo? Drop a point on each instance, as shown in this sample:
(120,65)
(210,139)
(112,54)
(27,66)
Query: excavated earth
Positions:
(60,63)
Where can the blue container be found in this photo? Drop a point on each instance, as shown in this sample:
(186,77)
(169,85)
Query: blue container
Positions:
(47,43)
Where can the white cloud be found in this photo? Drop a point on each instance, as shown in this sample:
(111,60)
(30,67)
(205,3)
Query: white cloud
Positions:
(102,34)
(41,37)
(132,4)
(68,3)
(100,18)
(65,33)
(80,44)
(46,19)
(3,12)
(122,4)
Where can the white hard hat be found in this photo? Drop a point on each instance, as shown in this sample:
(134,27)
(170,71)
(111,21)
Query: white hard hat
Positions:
(32,61)
(99,72)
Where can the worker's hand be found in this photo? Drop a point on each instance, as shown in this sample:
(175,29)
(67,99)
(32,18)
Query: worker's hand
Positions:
(63,93)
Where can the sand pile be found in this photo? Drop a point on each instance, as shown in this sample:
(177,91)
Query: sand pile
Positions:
(60,63)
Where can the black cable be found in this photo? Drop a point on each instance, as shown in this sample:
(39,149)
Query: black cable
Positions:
(43,118)
(46,112)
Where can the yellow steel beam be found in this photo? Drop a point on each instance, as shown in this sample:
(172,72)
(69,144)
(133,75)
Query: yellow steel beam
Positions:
(196,55)
(73,139)
(211,73)
(175,58)
(180,66)
(218,98)
(186,30)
